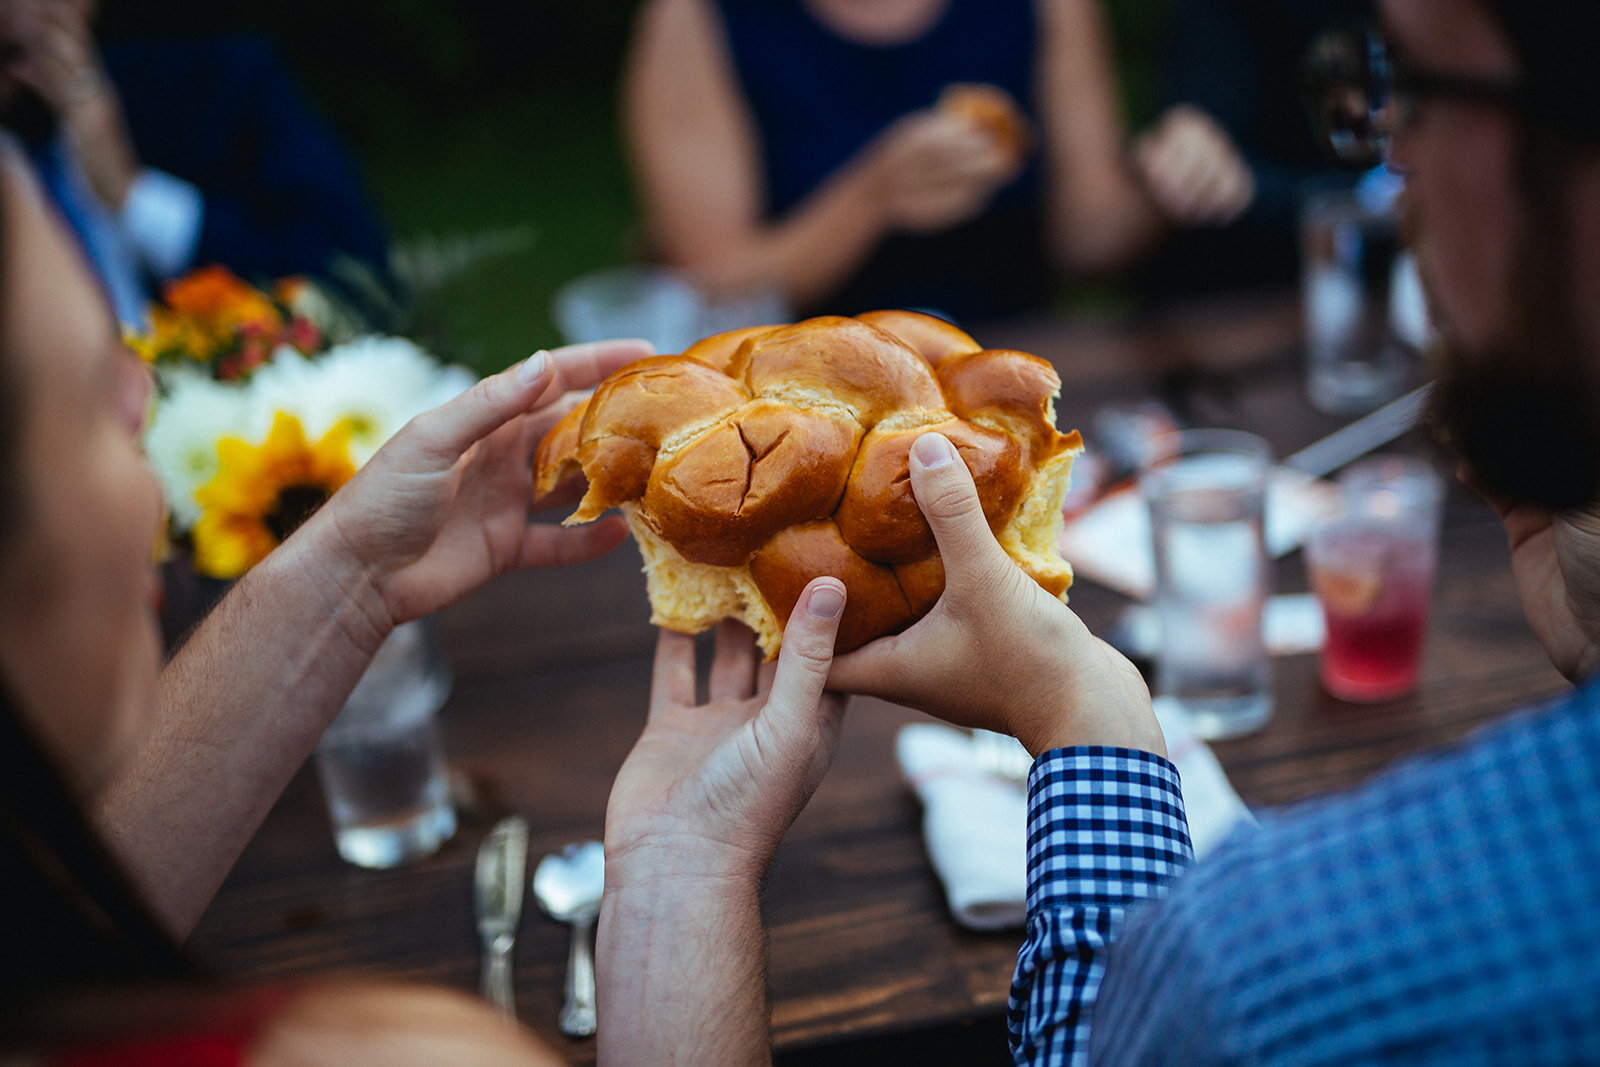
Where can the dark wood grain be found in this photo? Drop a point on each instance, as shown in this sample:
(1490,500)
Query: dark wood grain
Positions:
(552,671)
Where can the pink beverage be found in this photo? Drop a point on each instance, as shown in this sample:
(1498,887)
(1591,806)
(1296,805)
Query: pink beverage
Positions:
(1373,584)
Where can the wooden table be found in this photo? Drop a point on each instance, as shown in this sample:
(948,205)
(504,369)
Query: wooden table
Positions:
(552,671)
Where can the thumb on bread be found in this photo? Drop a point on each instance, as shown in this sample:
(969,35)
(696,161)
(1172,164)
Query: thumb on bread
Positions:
(807,652)
(945,492)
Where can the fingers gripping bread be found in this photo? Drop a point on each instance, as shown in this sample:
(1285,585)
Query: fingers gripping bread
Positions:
(762,458)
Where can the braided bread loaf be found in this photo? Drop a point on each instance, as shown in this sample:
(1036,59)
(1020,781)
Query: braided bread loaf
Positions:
(762,458)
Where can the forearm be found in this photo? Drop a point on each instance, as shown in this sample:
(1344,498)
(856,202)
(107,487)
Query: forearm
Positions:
(681,972)
(239,709)
(1106,233)
(1106,830)
(1101,219)
(807,253)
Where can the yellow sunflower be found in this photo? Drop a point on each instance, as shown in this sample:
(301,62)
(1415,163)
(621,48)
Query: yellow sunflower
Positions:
(262,493)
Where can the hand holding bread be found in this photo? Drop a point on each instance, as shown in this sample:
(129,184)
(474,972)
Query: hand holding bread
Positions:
(997,651)
(761,459)
(940,166)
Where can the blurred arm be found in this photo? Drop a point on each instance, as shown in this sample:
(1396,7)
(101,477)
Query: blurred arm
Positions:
(696,157)
(1100,218)
(440,510)
(240,707)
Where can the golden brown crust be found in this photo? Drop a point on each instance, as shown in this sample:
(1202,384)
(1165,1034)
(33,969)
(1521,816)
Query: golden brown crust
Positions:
(632,413)
(934,339)
(762,458)
(922,583)
(875,605)
(557,457)
(1005,390)
(718,350)
(841,361)
(725,495)
(878,514)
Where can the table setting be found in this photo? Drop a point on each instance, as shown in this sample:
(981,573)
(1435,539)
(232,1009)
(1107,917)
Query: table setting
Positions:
(895,905)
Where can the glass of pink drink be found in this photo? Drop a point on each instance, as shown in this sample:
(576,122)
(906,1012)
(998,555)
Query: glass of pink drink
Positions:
(1371,568)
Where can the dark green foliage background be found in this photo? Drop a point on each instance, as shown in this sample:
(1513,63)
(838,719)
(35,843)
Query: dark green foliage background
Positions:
(478,114)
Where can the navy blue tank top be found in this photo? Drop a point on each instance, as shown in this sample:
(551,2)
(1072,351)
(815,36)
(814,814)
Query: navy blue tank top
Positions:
(818,99)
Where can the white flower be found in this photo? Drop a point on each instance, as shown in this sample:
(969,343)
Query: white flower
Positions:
(189,420)
(378,384)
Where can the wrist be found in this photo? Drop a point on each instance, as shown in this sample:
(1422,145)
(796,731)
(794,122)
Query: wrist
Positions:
(682,862)
(319,558)
(872,183)
(1093,696)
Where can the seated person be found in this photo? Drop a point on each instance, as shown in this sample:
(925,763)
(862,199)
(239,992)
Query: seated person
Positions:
(1237,64)
(127,790)
(799,145)
(1446,912)
(165,155)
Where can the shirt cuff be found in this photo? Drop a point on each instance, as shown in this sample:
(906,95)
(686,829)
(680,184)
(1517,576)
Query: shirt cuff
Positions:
(1106,826)
(161,218)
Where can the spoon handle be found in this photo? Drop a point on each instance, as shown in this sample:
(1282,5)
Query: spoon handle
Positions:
(497,976)
(577,1012)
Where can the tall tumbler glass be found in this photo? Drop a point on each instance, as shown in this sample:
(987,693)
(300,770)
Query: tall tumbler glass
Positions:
(380,761)
(1207,493)
(1359,297)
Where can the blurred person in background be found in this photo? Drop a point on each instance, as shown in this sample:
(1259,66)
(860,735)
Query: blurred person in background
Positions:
(1237,65)
(800,145)
(1445,912)
(129,788)
(166,155)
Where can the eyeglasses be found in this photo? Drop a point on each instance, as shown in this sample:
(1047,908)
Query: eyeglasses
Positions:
(1359,92)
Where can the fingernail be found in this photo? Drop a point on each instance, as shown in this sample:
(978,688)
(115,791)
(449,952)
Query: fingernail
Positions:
(933,451)
(826,603)
(532,369)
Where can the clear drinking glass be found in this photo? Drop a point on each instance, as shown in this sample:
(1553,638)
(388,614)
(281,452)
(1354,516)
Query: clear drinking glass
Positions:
(380,761)
(1372,568)
(1207,492)
(659,305)
(1359,300)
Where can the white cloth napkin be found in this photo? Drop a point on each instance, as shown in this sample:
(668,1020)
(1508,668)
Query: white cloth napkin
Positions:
(975,822)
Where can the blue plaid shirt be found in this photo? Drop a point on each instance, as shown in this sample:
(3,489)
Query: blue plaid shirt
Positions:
(1447,912)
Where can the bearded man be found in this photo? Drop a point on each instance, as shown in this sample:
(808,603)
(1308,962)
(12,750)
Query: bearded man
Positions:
(1446,912)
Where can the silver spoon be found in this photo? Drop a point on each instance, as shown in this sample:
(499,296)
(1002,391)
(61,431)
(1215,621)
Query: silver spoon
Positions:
(567,885)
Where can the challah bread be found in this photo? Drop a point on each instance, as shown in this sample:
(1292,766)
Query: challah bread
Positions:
(762,458)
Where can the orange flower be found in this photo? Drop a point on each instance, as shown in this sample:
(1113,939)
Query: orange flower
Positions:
(217,298)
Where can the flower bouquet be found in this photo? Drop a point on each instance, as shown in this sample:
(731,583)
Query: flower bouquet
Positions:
(259,419)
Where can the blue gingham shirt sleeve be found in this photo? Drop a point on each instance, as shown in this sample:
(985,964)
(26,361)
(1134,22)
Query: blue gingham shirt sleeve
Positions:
(1106,829)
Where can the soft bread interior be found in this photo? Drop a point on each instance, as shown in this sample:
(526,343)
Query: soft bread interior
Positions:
(1034,532)
(691,597)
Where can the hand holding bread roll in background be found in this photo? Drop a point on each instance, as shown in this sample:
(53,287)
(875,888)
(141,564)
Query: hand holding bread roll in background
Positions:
(941,166)
(998,652)
(990,109)
(760,459)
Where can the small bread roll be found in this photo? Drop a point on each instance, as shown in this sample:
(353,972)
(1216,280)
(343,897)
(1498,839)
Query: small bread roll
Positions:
(991,109)
(760,459)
